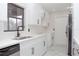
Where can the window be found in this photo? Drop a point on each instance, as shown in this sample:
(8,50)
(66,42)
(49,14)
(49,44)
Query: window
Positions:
(15,17)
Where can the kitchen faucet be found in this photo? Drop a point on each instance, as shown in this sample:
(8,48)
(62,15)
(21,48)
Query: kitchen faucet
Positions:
(18,34)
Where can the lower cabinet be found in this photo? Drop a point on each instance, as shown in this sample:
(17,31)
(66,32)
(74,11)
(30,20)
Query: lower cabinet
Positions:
(36,47)
(25,50)
(75,49)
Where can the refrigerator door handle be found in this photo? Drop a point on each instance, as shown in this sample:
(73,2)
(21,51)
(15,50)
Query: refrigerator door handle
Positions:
(66,31)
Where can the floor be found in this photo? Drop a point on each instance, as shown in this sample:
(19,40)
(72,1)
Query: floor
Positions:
(57,51)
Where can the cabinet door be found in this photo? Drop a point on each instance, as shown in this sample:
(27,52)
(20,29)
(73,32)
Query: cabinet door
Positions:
(34,14)
(75,48)
(38,48)
(76,52)
(25,50)
(41,46)
(30,50)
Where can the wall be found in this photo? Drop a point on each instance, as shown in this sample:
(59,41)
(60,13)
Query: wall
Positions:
(55,16)
(37,29)
(3,19)
(75,20)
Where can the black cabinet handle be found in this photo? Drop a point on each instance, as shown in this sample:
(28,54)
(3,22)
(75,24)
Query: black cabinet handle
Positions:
(44,43)
(73,50)
(32,51)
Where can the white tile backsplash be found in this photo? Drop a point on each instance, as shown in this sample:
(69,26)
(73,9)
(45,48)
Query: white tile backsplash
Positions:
(37,29)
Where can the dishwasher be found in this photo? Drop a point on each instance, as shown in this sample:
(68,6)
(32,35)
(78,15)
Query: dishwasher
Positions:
(13,50)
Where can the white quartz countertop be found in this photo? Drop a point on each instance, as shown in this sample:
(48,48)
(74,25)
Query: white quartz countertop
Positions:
(9,42)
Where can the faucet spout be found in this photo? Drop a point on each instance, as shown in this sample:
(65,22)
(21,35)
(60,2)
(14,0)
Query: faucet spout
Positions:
(18,34)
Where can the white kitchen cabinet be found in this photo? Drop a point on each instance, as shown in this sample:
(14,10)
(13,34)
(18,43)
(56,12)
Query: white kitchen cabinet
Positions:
(38,49)
(45,20)
(30,49)
(75,49)
(35,47)
(26,50)
(34,14)
(41,46)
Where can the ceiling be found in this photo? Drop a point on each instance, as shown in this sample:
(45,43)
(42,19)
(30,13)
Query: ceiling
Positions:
(53,7)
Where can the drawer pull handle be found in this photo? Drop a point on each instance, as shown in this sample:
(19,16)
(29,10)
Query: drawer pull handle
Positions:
(32,51)
(44,43)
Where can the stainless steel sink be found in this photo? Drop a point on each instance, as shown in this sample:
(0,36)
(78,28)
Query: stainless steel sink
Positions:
(21,38)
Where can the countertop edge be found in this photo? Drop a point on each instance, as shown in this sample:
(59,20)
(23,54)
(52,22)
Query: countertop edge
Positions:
(7,44)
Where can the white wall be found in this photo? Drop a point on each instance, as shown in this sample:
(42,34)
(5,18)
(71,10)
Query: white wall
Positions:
(76,20)
(54,18)
(3,19)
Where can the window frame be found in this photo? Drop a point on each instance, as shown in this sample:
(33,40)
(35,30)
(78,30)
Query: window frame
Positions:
(8,29)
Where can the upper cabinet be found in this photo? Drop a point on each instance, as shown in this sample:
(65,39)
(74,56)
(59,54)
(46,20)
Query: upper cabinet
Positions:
(45,19)
(35,14)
